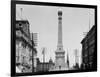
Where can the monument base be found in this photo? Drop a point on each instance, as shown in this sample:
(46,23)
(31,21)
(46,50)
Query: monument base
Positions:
(59,68)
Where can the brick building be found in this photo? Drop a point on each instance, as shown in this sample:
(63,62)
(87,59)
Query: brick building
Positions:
(24,45)
(44,67)
(89,50)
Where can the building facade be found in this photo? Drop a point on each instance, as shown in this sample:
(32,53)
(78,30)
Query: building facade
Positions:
(89,60)
(25,51)
(44,66)
(35,39)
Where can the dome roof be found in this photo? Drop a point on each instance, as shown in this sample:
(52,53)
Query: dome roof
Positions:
(50,60)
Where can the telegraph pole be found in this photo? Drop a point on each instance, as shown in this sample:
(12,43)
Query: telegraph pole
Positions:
(67,59)
(76,58)
(32,55)
(43,52)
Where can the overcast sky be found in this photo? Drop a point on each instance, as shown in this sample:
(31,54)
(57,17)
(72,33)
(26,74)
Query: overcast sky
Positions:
(44,21)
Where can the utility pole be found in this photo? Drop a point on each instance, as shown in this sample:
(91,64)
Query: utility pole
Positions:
(32,55)
(76,57)
(43,52)
(67,59)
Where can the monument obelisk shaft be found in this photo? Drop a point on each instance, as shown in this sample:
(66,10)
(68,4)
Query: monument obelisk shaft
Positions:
(60,45)
(60,53)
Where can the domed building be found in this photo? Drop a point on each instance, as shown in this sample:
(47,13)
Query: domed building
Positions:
(51,64)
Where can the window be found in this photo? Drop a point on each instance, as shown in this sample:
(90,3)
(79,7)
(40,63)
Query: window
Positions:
(59,48)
